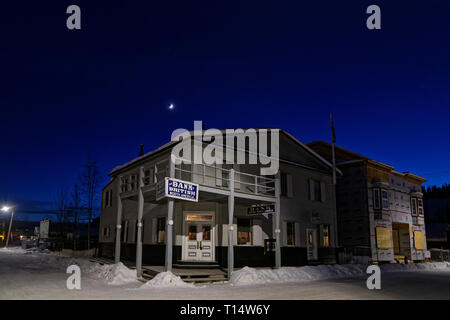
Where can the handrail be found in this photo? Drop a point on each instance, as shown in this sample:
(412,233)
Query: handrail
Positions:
(244,182)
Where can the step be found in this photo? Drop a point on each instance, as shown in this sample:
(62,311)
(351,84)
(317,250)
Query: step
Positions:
(194,266)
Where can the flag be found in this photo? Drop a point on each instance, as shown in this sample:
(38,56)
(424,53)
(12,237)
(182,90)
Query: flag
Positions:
(333,134)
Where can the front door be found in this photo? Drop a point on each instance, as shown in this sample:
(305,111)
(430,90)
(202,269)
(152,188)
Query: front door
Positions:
(198,245)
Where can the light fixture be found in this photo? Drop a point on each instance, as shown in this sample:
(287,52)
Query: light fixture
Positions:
(5,208)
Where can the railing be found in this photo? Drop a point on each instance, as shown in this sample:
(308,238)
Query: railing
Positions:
(219,177)
(203,174)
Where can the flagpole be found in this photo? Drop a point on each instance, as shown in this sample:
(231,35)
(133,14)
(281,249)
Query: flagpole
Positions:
(334,163)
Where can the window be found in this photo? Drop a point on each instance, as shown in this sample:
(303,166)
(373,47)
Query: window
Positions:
(206,230)
(107,199)
(325,235)
(161,230)
(148,176)
(134,182)
(317,194)
(125,231)
(376,199)
(420,207)
(414,206)
(244,231)
(124,184)
(316,190)
(283,183)
(290,233)
(384,199)
(192,233)
(286,185)
(106,232)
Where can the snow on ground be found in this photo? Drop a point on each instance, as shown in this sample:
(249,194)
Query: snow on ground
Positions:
(116,274)
(35,274)
(251,276)
(166,280)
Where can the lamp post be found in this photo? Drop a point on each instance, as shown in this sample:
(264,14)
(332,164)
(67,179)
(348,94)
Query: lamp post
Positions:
(6,209)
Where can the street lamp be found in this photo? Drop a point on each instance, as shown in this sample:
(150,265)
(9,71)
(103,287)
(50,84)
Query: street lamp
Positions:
(6,209)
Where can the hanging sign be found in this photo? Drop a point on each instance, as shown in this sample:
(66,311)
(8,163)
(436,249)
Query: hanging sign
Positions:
(261,209)
(177,189)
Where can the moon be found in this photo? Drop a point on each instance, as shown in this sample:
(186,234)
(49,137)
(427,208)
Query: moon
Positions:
(171,106)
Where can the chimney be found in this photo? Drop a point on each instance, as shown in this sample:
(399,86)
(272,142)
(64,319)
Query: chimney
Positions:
(141,153)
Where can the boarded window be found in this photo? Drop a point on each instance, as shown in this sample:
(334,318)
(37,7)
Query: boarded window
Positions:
(419,240)
(383,238)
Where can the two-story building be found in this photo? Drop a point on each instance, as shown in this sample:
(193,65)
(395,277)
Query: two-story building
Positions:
(380,210)
(224,224)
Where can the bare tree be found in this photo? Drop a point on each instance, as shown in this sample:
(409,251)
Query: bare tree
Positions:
(76,207)
(61,208)
(90,182)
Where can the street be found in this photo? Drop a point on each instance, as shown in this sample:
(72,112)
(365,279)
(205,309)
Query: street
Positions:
(43,276)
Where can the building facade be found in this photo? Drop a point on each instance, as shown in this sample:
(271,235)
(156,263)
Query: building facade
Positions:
(302,231)
(380,210)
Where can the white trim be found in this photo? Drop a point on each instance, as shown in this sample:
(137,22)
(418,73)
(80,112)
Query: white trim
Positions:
(213,233)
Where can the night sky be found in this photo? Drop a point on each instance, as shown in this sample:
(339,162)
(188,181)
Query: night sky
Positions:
(106,88)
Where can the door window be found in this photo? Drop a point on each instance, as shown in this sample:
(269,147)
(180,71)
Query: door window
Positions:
(206,229)
(192,235)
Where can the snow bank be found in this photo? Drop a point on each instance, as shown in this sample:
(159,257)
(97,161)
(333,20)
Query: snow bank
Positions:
(250,276)
(115,274)
(428,266)
(166,280)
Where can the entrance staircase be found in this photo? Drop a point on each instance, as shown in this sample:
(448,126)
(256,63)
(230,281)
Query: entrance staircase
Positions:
(190,272)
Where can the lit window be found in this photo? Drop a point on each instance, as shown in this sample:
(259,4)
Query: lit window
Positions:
(161,230)
(244,231)
(325,235)
(290,233)
(192,234)
(206,230)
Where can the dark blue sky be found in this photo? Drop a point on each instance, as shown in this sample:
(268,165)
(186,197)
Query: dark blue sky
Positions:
(105,89)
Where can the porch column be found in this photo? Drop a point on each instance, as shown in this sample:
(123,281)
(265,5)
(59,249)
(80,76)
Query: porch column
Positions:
(230,225)
(118,222)
(139,223)
(169,232)
(277,222)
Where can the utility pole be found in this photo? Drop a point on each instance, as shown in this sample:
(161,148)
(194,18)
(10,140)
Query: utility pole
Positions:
(10,225)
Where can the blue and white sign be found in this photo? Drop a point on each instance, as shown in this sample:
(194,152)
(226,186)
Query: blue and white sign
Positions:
(178,189)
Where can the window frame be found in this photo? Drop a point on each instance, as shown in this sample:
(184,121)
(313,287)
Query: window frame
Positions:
(162,230)
(414,208)
(293,244)
(250,232)
(376,202)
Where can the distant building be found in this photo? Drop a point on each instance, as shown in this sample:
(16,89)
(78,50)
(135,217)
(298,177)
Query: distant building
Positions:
(380,211)
(307,217)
